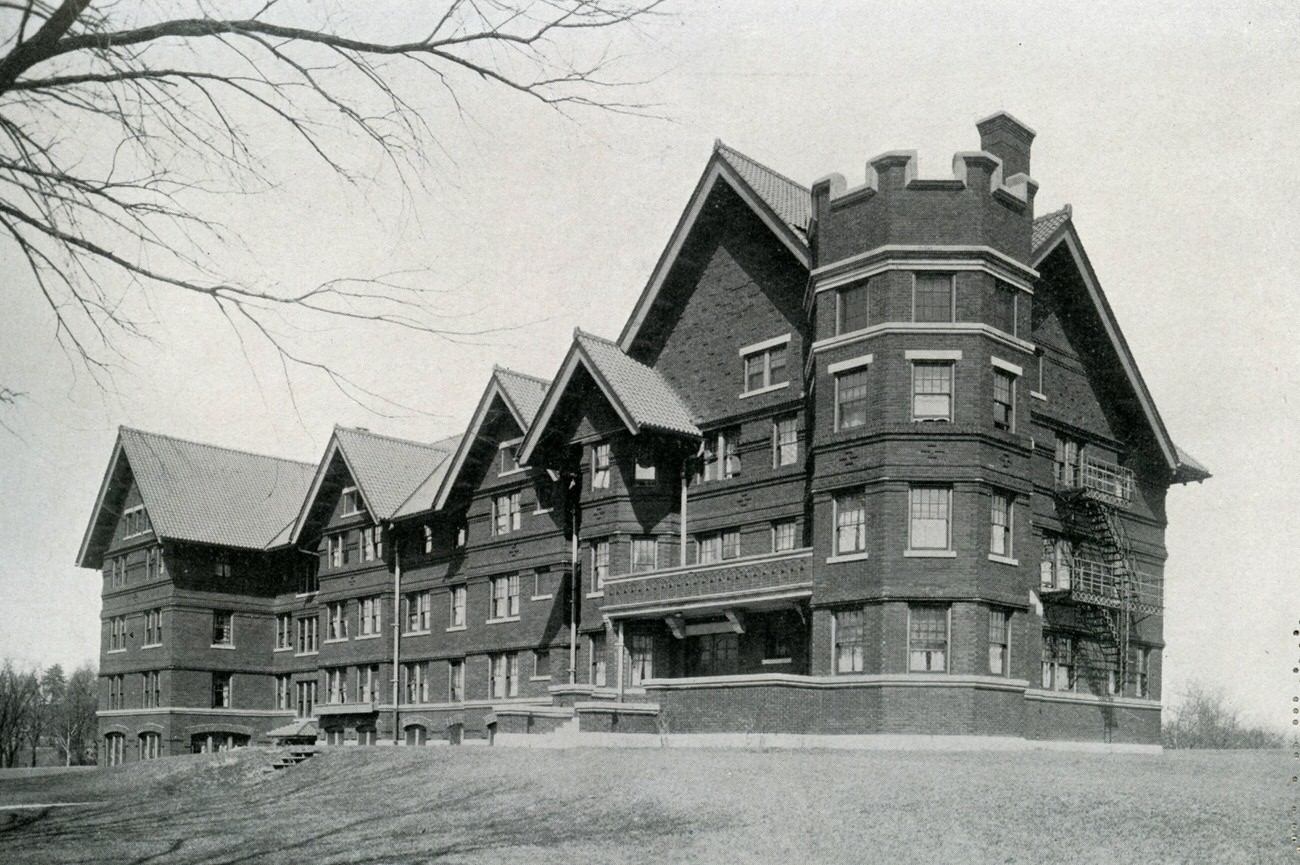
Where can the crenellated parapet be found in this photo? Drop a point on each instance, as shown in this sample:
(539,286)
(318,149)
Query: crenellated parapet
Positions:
(987,202)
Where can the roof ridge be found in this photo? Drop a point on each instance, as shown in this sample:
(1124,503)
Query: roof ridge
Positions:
(391,438)
(124,428)
(537,378)
(1067,210)
(577,332)
(719,145)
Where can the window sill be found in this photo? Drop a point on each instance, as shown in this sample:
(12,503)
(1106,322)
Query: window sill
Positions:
(305,654)
(776,661)
(282,649)
(932,420)
(847,557)
(929,554)
(230,646)
(368,636)
(501,620)
(539,678)
(1036,395)
(115,651)
(1005,560)
(511,473)
(152,646)
(306,594)
(762,390)
(456,628)
(419,632)
(599,594)
(541,597)
(334,640)
(541,511)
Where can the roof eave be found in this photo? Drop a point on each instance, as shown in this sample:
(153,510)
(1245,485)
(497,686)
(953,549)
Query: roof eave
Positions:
(104,485)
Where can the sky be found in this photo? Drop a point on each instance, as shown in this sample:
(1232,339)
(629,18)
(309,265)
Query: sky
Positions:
(1172,131)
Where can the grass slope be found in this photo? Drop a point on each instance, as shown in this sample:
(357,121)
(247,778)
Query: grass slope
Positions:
(463,805)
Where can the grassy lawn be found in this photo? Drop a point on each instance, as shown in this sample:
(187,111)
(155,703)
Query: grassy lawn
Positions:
(398,805)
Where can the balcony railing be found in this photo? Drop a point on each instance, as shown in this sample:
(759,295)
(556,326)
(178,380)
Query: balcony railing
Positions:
(734,578)
(1101,480)
(1092,581)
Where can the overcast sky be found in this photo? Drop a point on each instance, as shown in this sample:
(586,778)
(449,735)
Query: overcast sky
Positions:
(1173,133)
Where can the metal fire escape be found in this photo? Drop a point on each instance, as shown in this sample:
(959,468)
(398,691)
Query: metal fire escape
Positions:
(1108,594)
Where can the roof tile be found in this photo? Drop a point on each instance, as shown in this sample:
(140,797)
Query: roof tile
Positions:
(642,391)
(789,200)
(388,470)
(1045,226)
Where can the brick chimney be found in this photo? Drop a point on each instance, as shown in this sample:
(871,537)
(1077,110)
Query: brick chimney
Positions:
(1009,140)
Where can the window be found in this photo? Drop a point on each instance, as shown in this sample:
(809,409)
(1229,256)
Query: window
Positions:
(596,648)
(1058,662)
(455,681)
(284,631)
(508,458)
(1056,565)
(783,536)
(505,513)
(852,308)
(369,611)
(931,391)
(717,546)
(221,568)
(117,634)
(336,685)
(930,509)
(336,621)
(417,682)
(116,692)
(114,749)
(644,472)
(1067,467)
(428,538)
(999,642)
(785,441)
(927,639)
(599,565)
(933,297)
(283,693)
(307,635)
(307,575)
(306,699)
(221,695)
(1002,313)
(372,544)
(600,466)
(150,746)
(153,627)
(642,656)
(541,664)
(458,597)
(223,628)
(505,596)
(543,584)
(722,455)
(154,567)
(713,655)
(116,573)
(1141,664)
(462,535)
(351,501)
(1001,525)
(368,684)
(337,550)
(776,629)
(151,690)
(850,523)
(419,611)
(503,675)
(765,365)
(1004,400)
(134,521)
(645,554)
(545,489)
(851,399)
(850,641)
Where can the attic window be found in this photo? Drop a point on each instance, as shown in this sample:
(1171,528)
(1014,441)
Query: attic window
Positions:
(764,366)
(135,521)
(351,501)
(509,457)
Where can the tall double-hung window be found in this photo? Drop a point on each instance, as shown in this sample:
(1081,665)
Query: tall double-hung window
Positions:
(930,518)
(850,523)
(765,364)
(934,298)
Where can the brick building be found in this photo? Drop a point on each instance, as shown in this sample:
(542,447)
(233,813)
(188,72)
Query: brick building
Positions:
(864,460)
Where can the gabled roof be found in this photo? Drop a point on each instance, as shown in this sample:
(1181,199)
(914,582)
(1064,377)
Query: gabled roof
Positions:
(521,395)
(640,395)
(386,470)
(1057,229)
(198,492)
(783,205)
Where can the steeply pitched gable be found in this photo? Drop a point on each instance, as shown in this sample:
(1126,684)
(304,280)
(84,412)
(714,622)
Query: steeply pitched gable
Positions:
(198,492)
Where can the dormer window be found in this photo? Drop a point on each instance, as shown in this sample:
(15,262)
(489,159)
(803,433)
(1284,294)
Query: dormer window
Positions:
(135,521)
(509,458)
(428,538)
(351,501)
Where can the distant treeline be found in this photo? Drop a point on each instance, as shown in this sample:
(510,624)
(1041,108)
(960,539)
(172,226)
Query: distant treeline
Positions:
(43,709)
(1204,718)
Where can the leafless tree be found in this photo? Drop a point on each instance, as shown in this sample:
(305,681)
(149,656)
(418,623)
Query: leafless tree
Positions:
(19,693)
(118,119)
(71,719)
(1204,717)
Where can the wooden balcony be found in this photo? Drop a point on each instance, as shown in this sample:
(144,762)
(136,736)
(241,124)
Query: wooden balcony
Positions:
(772,576)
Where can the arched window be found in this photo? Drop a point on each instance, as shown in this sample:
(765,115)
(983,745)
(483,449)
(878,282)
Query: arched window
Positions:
(150,746)
(114,749)
(416,735)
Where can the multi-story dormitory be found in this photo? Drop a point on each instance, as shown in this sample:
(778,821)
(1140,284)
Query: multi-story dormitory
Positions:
(864,460)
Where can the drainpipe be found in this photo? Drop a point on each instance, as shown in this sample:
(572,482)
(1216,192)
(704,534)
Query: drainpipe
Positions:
(573,601)
(620,660)
(397,632)
(681,558)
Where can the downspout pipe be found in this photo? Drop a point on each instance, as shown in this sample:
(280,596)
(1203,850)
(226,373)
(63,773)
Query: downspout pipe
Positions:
(397,633)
